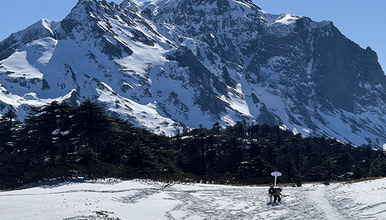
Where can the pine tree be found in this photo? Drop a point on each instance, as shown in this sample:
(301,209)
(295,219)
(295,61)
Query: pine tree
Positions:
(92,127)
(46,133)
(9,128)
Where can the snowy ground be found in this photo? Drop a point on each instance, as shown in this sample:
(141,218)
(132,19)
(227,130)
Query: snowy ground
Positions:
(142,200)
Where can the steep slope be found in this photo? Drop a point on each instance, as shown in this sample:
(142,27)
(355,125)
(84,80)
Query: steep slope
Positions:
(169,65)
(85,58)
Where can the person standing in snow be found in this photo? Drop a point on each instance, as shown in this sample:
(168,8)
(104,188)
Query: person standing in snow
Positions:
(271,190)
(277,194)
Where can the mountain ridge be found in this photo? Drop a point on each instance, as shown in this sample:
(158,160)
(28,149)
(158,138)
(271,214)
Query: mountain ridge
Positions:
(171,65)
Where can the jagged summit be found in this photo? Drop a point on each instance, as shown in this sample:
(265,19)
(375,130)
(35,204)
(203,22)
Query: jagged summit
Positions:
(175,64)
(250,4)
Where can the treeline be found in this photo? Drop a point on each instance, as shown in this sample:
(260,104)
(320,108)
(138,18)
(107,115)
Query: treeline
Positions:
(63,141)
(249,153)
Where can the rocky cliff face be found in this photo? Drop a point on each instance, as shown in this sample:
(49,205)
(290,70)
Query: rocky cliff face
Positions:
(170,65)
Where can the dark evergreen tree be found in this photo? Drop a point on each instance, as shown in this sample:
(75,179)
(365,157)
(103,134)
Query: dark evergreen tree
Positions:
(58,140)
(37,137)
(9,128)
(92,128)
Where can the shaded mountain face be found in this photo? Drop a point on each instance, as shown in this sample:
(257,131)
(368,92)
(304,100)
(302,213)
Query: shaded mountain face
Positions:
(172,65)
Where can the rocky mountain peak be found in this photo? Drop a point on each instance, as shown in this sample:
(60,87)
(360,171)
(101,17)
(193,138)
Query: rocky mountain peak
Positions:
(171,65)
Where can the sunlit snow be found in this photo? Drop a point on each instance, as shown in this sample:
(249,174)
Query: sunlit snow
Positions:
(153,91)
(148,200)
(17,65)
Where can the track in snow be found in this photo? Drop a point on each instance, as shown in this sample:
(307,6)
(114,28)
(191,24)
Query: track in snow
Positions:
(151,200)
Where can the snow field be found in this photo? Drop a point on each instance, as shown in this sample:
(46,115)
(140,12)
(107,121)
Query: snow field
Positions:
(144,200)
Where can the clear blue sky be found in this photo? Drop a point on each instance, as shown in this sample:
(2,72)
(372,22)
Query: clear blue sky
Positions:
(364,22)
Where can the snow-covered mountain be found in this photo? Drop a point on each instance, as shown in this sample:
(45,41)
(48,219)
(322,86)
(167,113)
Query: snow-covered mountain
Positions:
(172,64)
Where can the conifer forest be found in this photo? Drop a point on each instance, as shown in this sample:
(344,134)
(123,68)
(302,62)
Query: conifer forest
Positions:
(60,141)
